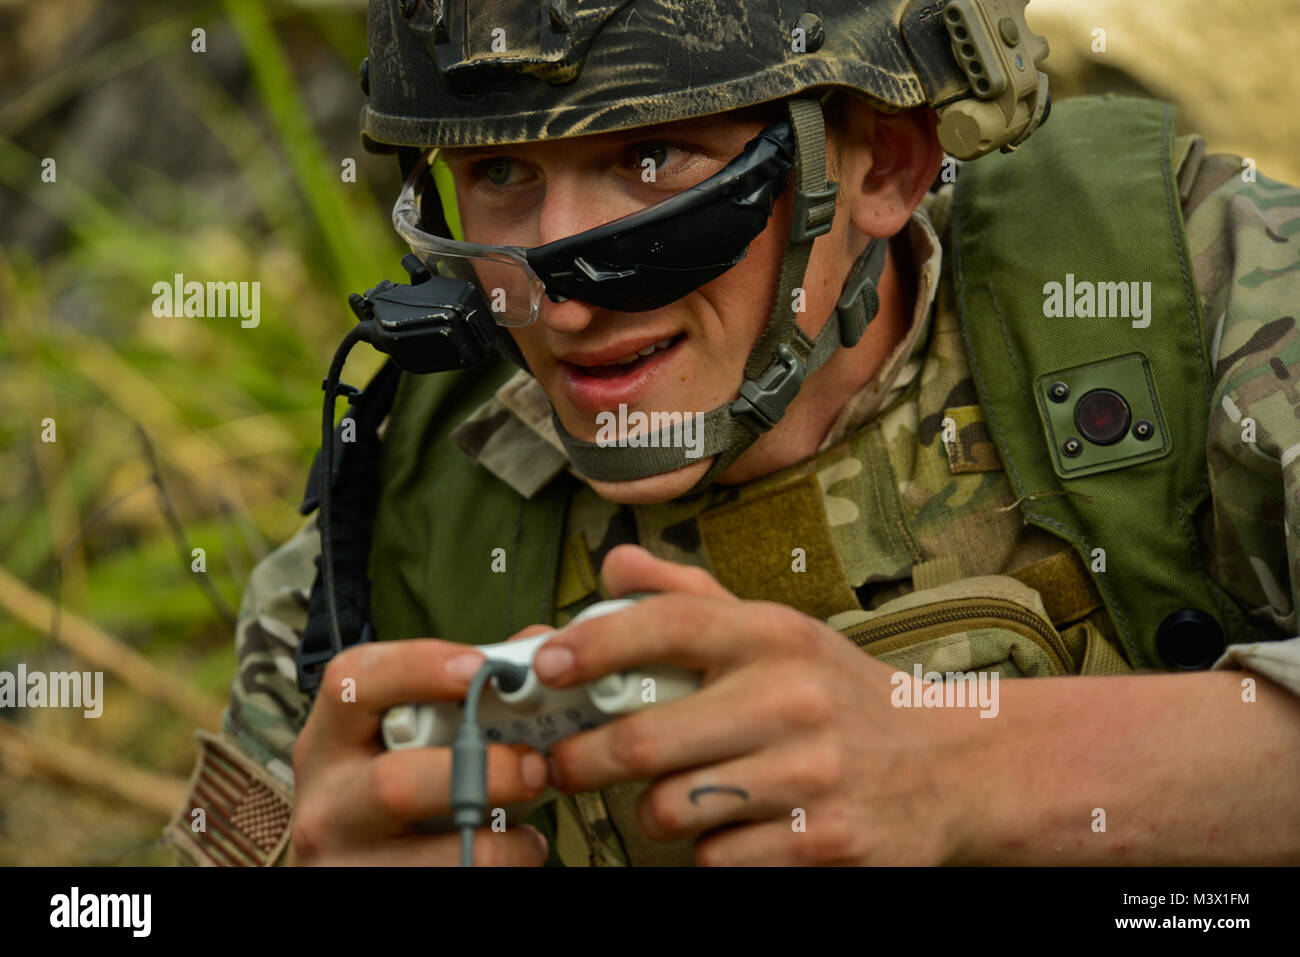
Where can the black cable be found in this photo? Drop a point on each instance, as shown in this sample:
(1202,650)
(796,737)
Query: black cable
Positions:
(358,333)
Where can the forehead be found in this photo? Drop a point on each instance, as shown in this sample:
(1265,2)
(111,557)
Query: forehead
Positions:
(714,127)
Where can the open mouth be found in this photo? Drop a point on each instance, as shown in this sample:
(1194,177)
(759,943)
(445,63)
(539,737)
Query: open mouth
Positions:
(632,362)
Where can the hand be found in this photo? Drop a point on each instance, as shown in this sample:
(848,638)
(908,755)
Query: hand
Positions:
(791,716)
(356,803)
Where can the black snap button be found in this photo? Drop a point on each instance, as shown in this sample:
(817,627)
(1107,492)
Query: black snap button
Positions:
(1058,391)
(813,32)
(1143,430)
(1071,446)
(1189,639)
(1102,417)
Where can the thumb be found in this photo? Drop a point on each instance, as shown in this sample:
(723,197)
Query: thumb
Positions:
(630,568)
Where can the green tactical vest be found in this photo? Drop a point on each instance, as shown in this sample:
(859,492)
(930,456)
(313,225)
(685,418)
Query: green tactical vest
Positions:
(1089,203)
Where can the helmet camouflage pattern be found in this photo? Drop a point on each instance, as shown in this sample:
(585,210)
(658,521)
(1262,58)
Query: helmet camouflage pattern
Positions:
(483,72)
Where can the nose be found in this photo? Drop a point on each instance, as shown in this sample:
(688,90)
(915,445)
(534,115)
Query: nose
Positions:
(572,204)
(572,315)
(575,200)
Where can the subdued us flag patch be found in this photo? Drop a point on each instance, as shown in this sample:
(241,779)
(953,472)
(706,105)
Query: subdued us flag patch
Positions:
(236,813)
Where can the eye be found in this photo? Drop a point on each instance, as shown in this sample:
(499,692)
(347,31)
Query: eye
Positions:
(652,159)
(657,153)
(497,170)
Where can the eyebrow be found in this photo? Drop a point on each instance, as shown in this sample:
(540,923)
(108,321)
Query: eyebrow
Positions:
(664,131)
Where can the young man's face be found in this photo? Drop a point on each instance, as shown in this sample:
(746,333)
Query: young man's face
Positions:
(688,356)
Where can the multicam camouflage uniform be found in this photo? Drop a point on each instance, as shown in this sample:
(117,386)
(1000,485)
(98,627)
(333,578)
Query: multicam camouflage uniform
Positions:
(909,518)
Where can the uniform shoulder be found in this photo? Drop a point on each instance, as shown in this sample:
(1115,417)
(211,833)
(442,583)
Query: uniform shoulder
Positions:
(266,709)
(1242,235)
(238,805)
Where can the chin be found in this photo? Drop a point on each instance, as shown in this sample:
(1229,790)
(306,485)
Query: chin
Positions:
(655,489)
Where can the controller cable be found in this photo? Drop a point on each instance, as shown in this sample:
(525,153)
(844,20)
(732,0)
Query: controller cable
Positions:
(469,754)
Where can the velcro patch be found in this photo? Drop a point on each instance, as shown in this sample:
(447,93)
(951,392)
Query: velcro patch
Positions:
(1064,584)
(236,814)
(577,577)
(969,446)
(777,546)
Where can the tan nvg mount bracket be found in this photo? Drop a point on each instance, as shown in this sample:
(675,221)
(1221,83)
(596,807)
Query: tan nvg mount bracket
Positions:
(1000,56)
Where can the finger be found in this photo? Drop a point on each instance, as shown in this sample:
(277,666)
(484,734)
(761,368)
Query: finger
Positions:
(397,789)
(773,784)
(692,631)
(721,721)
(364,681)
(519,846)
(771,843)
(630,568)
(532,631)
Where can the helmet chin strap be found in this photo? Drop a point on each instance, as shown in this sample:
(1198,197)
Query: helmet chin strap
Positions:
(782,358)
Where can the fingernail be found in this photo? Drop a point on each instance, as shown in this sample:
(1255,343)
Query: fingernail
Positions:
(552,662)
(541,838)
(464,667)
(533,769)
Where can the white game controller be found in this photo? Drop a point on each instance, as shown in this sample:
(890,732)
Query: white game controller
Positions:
(534,713)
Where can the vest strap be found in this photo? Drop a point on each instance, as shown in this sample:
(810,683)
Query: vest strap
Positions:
(1071,212)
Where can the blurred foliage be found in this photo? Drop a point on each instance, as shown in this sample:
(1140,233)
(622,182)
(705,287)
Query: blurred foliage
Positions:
(1229,67)
(226,165)
(217,165)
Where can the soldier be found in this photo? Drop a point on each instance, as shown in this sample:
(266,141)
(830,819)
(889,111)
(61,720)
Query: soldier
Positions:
(1038,420)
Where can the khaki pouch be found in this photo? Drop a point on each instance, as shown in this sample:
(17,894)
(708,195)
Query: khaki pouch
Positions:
(989,623)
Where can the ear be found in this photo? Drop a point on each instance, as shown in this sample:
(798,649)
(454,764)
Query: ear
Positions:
(887,163)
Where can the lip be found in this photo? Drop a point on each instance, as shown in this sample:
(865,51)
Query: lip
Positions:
(606,355)
(591,394)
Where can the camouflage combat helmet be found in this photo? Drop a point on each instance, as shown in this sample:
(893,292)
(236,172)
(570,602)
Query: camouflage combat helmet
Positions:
(453,73)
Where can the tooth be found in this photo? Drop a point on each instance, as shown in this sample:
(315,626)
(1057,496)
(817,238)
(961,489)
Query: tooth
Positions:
(648,349)
(663,343)
(626,359)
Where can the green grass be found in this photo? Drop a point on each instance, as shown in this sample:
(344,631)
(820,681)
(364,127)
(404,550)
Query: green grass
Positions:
(232,413)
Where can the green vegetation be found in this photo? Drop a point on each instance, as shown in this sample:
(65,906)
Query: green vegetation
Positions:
(229,413)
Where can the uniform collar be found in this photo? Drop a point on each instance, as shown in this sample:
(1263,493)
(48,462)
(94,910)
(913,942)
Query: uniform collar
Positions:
(904,363)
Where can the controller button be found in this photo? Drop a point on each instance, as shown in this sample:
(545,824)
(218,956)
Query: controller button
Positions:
(609,686)
(400,724)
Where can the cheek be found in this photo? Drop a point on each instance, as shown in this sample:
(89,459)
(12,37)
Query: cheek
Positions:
(820,289)
(743,296)
(529,339)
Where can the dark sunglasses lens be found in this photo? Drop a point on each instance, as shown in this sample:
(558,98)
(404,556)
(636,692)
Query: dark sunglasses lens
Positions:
(652,264)
(650,259)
